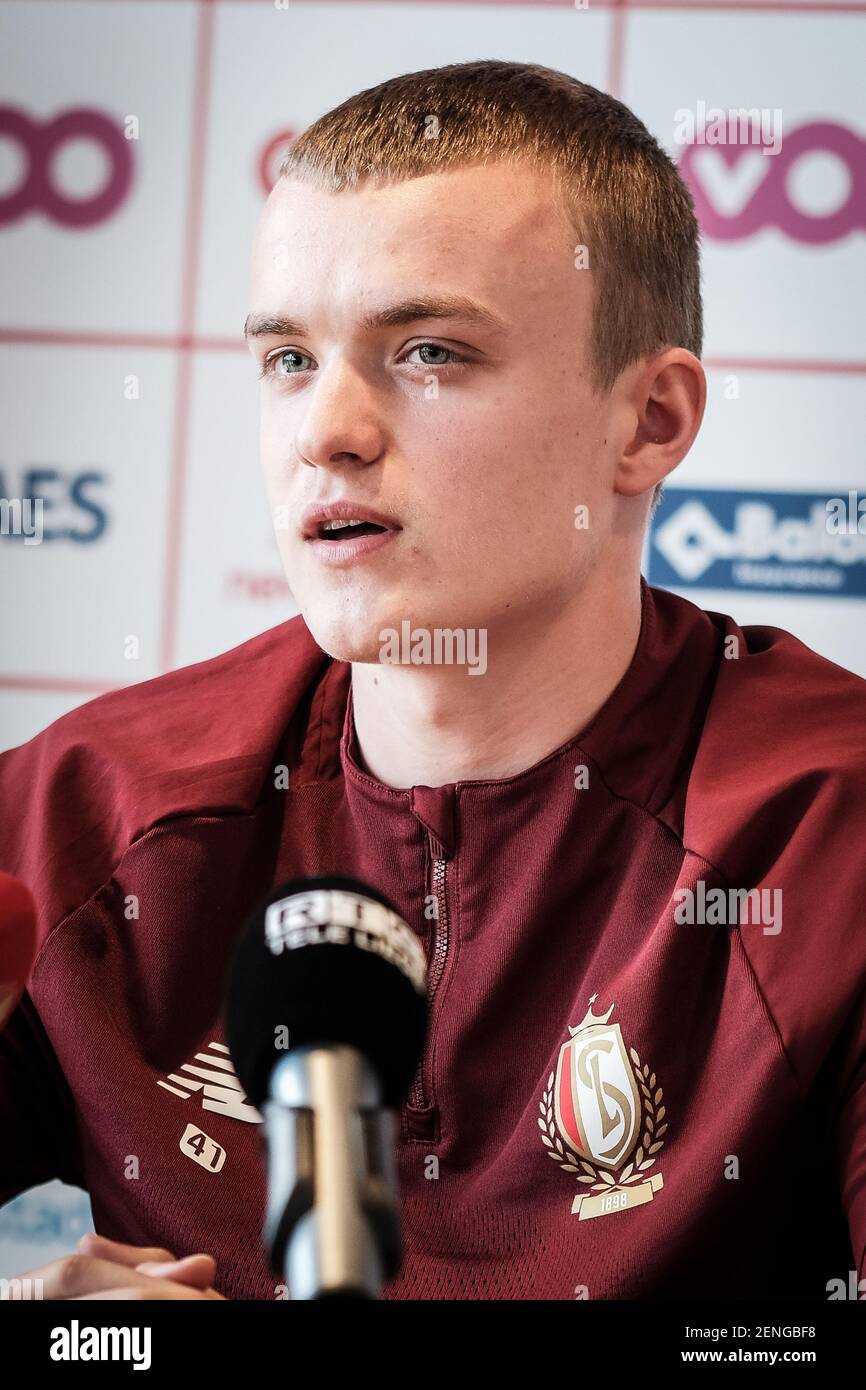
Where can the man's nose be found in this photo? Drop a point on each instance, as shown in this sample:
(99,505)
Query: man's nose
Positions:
(341,426)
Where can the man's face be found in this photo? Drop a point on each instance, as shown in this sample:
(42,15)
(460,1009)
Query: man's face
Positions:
(480,462)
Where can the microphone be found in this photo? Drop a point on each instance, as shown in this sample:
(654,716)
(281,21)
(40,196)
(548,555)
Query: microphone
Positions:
(326,1016)
(17,942)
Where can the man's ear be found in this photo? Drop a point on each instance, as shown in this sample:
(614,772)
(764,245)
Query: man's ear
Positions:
(667,394)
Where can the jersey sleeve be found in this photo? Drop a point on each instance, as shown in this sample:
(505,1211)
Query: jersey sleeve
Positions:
(38,1135)
(37,1130)
(57,818)
(850,1138)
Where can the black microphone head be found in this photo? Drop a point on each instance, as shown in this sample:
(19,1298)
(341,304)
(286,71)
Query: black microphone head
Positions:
(326,961)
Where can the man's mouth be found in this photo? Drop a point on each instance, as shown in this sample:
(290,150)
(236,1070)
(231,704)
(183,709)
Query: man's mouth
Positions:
(340,530)
(346,532)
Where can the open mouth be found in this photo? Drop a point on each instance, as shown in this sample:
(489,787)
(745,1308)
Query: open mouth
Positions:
(348,530)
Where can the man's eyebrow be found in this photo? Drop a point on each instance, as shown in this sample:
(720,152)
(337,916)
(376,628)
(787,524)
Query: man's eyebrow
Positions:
(458,307)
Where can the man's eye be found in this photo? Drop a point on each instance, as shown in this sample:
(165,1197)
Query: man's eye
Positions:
(286,363)
(270,365)
(452,358)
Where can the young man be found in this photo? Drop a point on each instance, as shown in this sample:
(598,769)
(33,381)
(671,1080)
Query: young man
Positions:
(625,829)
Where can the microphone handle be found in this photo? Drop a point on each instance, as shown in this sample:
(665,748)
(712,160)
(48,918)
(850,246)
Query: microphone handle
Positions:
(331,1227)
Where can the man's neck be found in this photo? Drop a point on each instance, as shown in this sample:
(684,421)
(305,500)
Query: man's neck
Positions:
(544,682)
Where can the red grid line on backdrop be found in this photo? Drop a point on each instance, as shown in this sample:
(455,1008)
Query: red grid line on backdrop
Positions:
(34,337)
(185,344)
(204,44)
(777,6)
(70,685)
(746,6)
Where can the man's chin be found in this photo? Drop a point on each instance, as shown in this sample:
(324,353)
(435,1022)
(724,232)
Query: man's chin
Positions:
(342,640)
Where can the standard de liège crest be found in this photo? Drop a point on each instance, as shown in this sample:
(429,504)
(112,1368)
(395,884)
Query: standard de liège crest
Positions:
(602,1118)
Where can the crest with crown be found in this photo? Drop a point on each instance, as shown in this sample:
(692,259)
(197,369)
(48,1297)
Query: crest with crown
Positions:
(590,1018)
(602,1117)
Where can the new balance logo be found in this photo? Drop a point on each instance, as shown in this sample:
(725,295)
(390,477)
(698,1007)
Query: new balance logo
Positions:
(220,1088)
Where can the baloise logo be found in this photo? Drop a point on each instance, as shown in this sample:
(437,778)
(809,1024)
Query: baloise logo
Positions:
(739,191)
(779,542)
(39,142)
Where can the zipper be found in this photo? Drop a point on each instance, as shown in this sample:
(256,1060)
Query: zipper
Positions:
(418,1098)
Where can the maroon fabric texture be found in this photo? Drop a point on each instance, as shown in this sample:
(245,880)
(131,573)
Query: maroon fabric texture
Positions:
(148,821)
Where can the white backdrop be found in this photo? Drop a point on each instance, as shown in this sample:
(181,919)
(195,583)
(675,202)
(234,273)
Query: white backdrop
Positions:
(130,401)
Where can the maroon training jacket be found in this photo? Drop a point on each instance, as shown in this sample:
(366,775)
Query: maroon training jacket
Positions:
(616,1101)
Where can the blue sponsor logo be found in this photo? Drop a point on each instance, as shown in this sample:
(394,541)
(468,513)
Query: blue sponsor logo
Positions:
(48,504)
(768,542)
(52,1214)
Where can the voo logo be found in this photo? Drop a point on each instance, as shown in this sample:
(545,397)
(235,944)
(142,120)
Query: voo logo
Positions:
(39,143)
(738,192)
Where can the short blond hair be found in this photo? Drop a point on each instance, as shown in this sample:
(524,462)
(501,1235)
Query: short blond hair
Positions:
(623,195)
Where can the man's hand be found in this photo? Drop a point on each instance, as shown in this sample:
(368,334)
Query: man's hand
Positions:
(107,1269)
